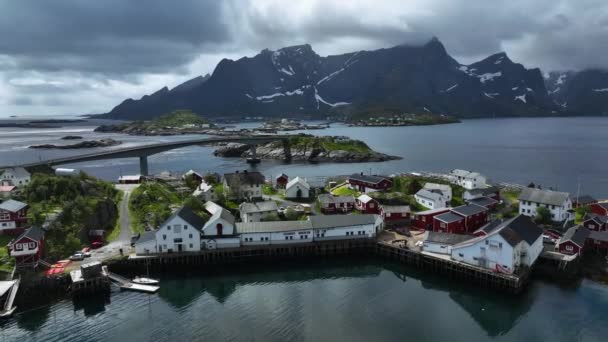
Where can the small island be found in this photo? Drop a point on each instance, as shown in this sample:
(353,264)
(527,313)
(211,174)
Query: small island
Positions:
(308,148)
(175,123)
(71,137)
(82,144)
(406,119)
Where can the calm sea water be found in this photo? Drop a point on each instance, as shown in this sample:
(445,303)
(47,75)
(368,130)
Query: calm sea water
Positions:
(344,300)
(554,152)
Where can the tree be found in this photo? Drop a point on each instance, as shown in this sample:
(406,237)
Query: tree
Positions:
(270,217)
(543,216)
(413,187)
(191,181)
(532,185)
(291,214)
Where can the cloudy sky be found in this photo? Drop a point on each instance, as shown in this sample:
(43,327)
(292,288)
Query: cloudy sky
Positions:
(68,57)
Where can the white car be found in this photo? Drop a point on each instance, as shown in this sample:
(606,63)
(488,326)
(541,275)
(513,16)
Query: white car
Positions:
(77,257)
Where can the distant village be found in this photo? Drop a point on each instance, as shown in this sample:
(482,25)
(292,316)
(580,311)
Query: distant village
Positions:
(457,217)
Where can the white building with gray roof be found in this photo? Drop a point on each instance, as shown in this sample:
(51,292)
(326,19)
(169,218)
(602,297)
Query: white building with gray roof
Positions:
(558,203)
(16,176)
(468,179)
(431,199)
(255,212)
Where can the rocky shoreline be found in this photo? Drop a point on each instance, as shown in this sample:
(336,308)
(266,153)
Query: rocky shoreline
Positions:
(82,144)
(272,151)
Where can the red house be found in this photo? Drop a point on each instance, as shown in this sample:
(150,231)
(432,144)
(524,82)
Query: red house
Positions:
(599,208)
(487,228)
(598,241)
(573,241)
(13,217)
(395,213)
(595,222)
(583,201)
(27,247)
(281,181)
(336,204)
(424,219)
(367,205)
(449,223)
(365,183)
(475,216)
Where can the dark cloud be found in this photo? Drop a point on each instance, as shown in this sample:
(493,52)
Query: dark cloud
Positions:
(110,36)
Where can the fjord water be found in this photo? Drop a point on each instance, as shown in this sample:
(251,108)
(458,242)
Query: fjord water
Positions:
(338,300)
(554,152)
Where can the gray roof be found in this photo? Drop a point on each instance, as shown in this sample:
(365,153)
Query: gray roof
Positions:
(449,217)
(483,201)
(148,235)
(19,172)
(469,209)
(297,180)
(34,232)
(258,207)
(272,226)
(576,234)
(544,196)
(367,178)
(460,172)
(523,229)
(332,221)
(584,199)
(327,198)
(483,191)
(396,208)
(189,216)
(432,195)
(436,186)
(599,236)
(446,238)
(490,227)
(12,205)
(246,177)
(597,218)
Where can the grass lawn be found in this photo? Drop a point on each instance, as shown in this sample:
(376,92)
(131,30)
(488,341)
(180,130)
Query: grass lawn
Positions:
(113,235)
(344,190)
(511,195)
(268,190)
(6,262)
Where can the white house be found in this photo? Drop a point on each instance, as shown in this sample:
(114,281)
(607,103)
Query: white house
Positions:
(432,199)
(16,176)
(316,228)
(297,188)
(146,244)
(515,243)
(255,212)
(180,233)
(243,185)
(205,192)
(558,203)
(219,232)
(445,189)
(468,179)
(441,243)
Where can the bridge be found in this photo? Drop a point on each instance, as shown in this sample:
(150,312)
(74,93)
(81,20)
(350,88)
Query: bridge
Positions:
(142,152)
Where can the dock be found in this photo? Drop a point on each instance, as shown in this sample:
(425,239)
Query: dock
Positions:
(126,284)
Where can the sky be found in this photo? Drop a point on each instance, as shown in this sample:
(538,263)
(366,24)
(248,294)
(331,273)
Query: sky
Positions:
(72,57)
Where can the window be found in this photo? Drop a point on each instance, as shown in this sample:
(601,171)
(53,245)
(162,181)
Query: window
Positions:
(191,246)
(185,227)
(190,236)
(500,244)
(32,245)
(169,227)
(164,237)
(18,247)
(261,239)
(5,216)
(569,248)
(461,255)
(287,238)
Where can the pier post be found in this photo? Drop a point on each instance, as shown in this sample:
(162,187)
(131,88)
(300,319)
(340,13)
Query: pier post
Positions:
(143,165)
(253,150)
(286,149)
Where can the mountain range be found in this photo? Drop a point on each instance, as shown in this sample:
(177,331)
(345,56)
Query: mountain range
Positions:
(297,82)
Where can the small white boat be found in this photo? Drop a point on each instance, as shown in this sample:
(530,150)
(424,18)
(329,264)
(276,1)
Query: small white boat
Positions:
(145,281)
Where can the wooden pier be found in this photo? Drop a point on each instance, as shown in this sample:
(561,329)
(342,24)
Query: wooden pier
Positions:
(454,269)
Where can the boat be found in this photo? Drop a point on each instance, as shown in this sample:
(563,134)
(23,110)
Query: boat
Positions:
(145,281)
(8,291)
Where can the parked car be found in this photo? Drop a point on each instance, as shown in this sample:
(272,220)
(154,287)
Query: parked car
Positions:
(86,252)
(549,239)
(77,256)
(96,245)
(553,233)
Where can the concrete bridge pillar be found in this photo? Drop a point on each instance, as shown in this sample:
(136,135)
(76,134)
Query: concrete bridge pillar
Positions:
(287,149)
(143,165)
(253,150)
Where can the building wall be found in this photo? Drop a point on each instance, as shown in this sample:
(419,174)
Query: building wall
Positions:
(366,187)
(220,243)
(533,251)
(211,227)
(245,191)
(497,252)
(474,222)
(435,247)
(25,246)
(430,204)
(558,213)
(426,221)
(257,216)
(9,178)
(165,237)
(452,227)
(569,248)
(148,247)
(371,207)
(292,192)
(592,225)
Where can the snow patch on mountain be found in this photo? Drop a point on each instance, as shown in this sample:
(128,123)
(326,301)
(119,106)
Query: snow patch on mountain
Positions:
(488,76)
(490,95)
(560,79)
(318,98)
(530,90)
(287,93)
(554,90)
(249,96)
(287,72)
(498,61)
(521,98)
(600,90)
(330,76)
